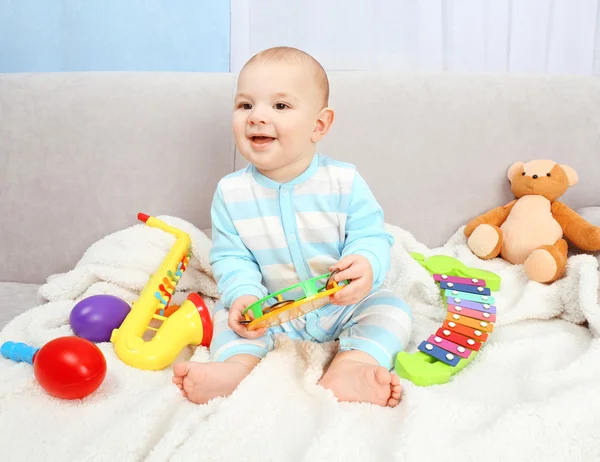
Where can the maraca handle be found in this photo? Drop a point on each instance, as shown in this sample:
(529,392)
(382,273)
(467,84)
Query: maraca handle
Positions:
(19,352)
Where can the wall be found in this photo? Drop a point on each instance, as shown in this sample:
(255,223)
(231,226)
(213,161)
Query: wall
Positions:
(531,36)
(136,35)
(500,36)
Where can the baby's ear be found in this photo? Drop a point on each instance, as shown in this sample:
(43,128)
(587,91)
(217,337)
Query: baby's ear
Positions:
(324,121)
(514,168)
(571,174)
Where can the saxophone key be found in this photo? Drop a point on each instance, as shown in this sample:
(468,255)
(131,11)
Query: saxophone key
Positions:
(172,276)
(161,299)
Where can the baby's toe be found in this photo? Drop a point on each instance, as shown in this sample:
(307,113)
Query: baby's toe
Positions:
(392,402)
(395,388)
(180,370)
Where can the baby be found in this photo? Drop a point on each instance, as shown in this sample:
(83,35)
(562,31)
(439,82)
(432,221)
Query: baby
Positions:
(289,216)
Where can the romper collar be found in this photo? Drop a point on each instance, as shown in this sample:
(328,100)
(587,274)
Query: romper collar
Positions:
(305,175)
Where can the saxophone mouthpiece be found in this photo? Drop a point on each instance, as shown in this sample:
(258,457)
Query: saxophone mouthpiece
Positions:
(143,217)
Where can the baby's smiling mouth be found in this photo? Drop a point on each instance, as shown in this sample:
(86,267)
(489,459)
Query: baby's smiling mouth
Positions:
(261,139)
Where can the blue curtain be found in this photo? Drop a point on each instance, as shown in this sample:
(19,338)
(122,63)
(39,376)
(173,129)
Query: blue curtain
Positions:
(114,35)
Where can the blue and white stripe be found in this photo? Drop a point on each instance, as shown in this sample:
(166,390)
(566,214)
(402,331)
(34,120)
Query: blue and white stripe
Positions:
(268,236)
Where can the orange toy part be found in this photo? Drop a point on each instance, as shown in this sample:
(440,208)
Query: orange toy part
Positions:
(470,332)
(576,229)
(168,311)
(470,322)
(292,310)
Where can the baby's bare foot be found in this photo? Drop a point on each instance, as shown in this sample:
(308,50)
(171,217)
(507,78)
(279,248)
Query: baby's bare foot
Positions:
(201,382)
(356,381)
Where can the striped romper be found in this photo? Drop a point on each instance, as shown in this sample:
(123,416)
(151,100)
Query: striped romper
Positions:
(268,236)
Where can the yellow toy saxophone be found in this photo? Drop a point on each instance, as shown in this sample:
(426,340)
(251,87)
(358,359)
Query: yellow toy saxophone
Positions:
(190,324)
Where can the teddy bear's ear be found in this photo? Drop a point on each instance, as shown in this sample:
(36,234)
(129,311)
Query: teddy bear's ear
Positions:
(514,168)
(571,174)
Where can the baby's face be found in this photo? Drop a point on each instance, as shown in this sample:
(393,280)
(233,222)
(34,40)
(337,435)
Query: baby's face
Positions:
(275,115)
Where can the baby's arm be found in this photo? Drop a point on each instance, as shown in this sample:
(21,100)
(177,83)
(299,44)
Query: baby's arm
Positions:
(236,271)
(365,231)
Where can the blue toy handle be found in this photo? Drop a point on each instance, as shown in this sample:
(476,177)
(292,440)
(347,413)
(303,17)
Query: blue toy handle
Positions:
(19,352)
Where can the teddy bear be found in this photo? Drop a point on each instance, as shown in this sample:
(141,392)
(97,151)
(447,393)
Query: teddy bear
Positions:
(530,229)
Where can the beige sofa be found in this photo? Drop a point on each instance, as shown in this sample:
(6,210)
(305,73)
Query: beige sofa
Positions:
(81,154)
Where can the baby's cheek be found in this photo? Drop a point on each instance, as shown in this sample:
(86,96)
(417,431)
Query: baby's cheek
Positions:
(238,122)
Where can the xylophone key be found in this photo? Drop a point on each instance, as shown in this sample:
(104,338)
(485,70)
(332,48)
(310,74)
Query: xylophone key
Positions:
(459,339)
(439,353)
(458,280)
(466,288)
(470,322)
(450,346)
(486,307)
(464,330)
(481,315)
(471,297)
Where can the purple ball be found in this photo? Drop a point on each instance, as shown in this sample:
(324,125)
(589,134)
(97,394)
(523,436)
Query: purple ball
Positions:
(95,317)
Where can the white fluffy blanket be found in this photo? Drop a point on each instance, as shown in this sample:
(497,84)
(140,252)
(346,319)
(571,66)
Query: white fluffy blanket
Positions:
(531,394)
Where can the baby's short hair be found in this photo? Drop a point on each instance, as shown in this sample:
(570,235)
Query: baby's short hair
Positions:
(290,54)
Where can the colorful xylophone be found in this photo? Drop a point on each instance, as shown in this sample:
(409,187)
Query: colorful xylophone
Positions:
(466,293)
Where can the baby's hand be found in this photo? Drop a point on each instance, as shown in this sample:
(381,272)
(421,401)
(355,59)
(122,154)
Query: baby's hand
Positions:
(358,270)
(235,316)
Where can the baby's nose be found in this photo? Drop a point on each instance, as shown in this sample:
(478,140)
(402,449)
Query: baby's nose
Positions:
(257,117)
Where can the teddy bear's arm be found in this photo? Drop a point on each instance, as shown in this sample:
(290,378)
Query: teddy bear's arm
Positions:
(577,230)
(495,217)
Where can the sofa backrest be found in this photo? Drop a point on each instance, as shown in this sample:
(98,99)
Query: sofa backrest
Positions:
(81,154)
(436,149)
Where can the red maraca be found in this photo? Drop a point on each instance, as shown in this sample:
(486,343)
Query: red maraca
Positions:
(66,367)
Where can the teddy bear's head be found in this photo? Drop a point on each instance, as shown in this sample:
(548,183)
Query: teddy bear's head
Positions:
(541,177)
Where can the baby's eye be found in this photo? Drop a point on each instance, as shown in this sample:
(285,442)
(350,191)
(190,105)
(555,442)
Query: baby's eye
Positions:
(281,106)
(245,106)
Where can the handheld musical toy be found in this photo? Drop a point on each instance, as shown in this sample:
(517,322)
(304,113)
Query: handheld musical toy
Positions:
(471,316)
(282,311)
(66,367)
(190,324)
(95,317)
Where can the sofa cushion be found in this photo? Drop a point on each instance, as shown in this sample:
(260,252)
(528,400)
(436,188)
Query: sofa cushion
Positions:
(16,299)
(592,215)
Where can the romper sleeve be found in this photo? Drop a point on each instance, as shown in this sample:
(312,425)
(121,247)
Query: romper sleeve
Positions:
(235,269)
(365,230)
